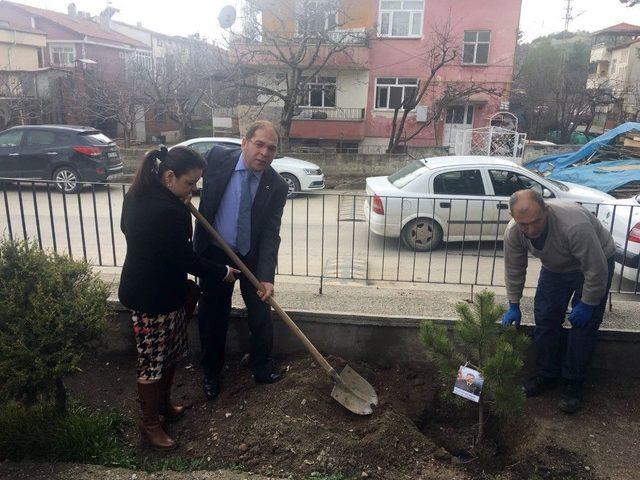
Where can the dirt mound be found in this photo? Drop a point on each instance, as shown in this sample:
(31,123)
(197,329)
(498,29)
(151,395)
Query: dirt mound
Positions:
(295,427)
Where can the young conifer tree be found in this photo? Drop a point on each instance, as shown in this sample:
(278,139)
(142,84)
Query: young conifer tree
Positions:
(478,339)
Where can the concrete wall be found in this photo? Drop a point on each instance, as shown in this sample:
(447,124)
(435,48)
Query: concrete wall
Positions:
(357,164)
(391,340)
(333,164)
(531,152)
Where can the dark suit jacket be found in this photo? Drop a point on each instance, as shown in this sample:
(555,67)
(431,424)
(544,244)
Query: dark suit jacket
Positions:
(157,226)
(266,212)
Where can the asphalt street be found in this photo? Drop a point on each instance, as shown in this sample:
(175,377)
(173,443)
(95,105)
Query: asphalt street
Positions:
(325,240)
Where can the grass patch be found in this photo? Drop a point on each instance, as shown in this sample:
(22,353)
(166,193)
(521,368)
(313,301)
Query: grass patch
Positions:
(82,436)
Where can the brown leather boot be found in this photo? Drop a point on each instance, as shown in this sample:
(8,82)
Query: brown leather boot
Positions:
(192,299)
(149,424)
(169,411)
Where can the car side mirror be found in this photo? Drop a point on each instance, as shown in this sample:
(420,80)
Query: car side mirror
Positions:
(546,193)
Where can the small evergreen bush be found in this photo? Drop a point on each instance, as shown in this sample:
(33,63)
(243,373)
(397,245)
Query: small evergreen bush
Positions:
(51,310)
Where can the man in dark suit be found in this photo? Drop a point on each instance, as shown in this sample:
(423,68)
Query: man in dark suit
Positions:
(243,198)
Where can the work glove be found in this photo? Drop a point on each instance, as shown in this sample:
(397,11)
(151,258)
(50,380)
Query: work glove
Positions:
(512,315)
(580,314)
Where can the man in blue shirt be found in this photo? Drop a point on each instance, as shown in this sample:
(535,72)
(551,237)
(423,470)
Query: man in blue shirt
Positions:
(243,198)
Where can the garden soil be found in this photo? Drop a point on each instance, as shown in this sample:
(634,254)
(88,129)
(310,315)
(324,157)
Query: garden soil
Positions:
(293,429)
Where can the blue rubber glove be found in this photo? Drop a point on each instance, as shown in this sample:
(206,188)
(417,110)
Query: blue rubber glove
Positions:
(512,315)
(580,314)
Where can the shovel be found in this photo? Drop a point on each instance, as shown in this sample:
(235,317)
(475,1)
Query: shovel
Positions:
(350,390)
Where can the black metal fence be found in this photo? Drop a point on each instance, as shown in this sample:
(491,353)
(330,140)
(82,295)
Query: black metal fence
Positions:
(324,235)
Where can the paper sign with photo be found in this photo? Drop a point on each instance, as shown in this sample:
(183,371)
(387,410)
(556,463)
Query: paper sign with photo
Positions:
(468,384)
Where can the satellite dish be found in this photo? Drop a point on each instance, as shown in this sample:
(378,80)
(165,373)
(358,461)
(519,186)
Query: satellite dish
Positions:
(227,16)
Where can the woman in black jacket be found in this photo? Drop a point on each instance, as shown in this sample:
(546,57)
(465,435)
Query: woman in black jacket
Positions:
(154,285)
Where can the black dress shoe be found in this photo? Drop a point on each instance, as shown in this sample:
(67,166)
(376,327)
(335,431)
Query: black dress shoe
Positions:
(270,377)
(211,388)
(538,385)
(571,400)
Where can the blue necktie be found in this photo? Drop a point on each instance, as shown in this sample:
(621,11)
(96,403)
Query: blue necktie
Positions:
(243,240)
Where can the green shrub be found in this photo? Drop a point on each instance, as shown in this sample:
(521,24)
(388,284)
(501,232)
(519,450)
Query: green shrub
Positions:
(479,339)
(51,309)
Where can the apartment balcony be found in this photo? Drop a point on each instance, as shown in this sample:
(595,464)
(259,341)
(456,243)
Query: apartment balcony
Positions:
(347,50)
(329,124)
(331,114)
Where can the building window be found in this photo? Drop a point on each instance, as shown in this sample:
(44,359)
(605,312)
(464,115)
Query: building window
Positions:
(614,66)
(316,16)
(392,92)
(320,91)
(476,47)
(401,18)
(62,56)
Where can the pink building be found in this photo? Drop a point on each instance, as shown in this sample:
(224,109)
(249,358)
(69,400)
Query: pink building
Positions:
(350,104)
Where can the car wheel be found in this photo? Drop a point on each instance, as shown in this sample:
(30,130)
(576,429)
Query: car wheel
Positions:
(67,180)
(422,235)
(292,183)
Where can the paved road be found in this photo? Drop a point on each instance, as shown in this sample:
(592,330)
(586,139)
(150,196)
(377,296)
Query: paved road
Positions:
(321,235)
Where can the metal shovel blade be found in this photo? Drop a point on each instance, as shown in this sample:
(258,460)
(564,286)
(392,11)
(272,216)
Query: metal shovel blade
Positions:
(354,393)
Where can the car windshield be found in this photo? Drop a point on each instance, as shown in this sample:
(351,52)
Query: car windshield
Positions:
(407,174)
(558,184)
(97,138)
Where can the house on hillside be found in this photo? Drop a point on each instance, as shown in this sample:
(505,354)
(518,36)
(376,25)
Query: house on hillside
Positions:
(348,100)
(615,68)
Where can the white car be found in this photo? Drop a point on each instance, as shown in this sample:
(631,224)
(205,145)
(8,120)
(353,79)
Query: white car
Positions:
(300,175)
(457,198)
(622,218)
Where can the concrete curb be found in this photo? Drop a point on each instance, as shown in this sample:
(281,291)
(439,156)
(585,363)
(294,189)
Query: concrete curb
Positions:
(390,339)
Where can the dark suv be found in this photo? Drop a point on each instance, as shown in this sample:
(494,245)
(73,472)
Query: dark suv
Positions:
(67,154)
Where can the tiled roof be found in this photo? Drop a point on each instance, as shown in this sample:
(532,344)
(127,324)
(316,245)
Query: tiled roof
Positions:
(621,27)
(81,25)
(7,17)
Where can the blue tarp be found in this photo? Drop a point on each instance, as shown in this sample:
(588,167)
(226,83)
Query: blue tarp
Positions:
(604,176)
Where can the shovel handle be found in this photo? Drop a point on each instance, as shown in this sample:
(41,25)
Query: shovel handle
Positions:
(317,356)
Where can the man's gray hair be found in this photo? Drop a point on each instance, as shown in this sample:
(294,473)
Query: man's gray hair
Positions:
(530,194)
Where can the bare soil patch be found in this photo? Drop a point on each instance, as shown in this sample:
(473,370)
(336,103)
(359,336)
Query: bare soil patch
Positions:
(294,428)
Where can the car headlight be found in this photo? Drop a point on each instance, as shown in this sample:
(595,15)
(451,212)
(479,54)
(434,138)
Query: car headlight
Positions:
(312,171)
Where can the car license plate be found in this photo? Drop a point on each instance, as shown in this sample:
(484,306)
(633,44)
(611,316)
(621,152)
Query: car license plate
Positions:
(112,154)
(115,176)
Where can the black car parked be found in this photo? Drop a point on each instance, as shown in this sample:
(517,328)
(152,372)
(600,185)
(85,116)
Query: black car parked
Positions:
(67,154)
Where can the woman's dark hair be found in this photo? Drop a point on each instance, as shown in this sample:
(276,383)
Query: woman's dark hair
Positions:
(179,159)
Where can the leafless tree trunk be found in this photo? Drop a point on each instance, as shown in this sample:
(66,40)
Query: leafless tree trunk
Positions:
(279,62)
(442,51)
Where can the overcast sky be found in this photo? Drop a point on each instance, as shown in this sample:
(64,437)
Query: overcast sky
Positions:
(183,17)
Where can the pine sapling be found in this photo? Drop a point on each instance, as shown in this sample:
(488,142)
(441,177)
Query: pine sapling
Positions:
(479,340)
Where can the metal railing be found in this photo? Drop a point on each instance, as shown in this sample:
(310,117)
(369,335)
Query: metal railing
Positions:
(324,235)
(330,113)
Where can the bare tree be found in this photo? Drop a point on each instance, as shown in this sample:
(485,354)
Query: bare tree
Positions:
(552,86)
(22,103)
(442,50)
(118,98)
(180,85)
(282,50)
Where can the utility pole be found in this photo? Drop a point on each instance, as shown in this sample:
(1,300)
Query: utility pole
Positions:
(568,17)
